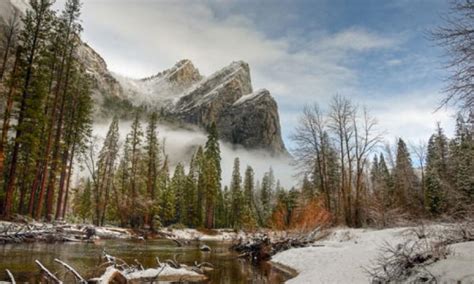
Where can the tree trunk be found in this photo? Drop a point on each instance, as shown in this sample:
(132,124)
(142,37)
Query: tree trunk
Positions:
(68,182)
(62,182)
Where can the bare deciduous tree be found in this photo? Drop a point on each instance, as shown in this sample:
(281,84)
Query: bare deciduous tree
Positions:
(457,37)
(344,138)
(311,152)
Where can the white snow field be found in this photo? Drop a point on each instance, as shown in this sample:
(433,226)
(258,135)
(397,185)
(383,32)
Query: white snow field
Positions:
(343,255)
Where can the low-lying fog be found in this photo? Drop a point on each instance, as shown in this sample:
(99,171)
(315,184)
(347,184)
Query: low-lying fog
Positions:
(181,143)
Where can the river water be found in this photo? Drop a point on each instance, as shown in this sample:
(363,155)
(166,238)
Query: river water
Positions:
(86,258)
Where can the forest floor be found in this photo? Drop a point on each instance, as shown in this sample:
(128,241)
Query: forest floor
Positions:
(347,255)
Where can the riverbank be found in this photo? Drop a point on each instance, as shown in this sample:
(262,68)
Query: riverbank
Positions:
(153,254)
(19,232)
(354,255)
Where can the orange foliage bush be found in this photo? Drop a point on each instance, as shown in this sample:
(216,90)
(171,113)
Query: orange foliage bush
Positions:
(310,215)
(279,217)
(305,217)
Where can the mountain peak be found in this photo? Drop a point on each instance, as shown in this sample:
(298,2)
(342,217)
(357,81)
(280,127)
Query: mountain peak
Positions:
(183,72)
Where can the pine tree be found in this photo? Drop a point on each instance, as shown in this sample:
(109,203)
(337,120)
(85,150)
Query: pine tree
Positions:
(152,160)
(406,185)
(236,195)
(433,192)
(266,197)
(438,177)
(33,43)
(178,188)
(461,159)
(122,186)
(168,197)
(105,171)
(62,57)
(191,196)
(200,163)
(374,173)
(226,207)
(212,174)
(80,124)
(135,138)
(84,204)
(248,207)
(222,210)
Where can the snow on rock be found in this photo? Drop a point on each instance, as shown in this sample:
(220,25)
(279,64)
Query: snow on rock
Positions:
(458,267)
(112,233)
(165,273)
(252,96)
(193,234)
(163,88)
(344,254)
(221,85)
(110,274)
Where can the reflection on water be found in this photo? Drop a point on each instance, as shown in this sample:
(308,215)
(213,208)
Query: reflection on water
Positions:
(86,258)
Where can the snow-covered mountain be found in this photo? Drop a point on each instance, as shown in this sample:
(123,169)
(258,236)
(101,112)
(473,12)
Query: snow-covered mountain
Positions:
(181,94)
(226,97)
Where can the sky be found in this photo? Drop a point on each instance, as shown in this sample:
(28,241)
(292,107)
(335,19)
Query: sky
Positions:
(378,53)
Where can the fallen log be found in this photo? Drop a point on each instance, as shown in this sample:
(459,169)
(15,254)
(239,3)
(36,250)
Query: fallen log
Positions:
(262,247)
(72,270)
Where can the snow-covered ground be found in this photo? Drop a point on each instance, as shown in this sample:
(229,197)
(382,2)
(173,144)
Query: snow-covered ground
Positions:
(345,254)
(218,234)
(193,234)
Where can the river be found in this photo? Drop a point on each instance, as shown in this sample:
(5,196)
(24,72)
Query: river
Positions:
(86,258)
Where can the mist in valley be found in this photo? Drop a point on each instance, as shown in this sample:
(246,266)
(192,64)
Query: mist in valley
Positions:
(181,143)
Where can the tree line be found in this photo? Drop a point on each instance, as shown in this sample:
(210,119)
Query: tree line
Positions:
(132,185)
(344,162)
(46,109)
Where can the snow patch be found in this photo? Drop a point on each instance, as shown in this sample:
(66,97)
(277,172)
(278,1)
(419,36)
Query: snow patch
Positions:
(162,271)
(155,90)
(193,234)
(255,95)
(458,267)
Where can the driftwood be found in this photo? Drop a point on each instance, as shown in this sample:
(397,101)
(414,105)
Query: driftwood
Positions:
(72,270)
(18,233)
(118,271)
(138,274)
(47,273)
(51,233)
(262,247)
(10,275)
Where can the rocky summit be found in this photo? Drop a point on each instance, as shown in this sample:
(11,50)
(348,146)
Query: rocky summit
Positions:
(243,116)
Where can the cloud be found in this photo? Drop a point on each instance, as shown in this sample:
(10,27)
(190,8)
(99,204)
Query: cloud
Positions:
(412,115)
(394,62)
(356,39)
(140,38)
